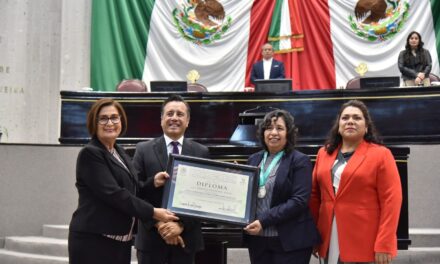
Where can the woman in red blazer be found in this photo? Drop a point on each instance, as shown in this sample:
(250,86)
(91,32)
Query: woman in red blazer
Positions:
(356,192)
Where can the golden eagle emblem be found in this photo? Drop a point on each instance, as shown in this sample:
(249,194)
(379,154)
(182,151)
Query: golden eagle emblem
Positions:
(201,21)
(206,9)
(379,19)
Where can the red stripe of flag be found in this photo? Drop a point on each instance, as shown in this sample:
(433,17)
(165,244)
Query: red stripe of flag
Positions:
(313,68)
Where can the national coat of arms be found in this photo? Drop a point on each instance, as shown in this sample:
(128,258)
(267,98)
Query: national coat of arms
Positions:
(379,19)
(201,21)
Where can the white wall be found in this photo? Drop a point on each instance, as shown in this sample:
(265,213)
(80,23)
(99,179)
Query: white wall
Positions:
(424,186)
(37,186)
(75,44)
(44,48)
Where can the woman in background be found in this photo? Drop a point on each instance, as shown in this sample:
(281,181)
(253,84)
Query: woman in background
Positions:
(415,62)
(356,194)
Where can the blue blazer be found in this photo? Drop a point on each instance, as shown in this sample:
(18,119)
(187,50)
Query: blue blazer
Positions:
(276,70)
(290,212)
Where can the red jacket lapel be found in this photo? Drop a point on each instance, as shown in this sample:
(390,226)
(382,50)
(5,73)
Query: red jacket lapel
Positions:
(352,165)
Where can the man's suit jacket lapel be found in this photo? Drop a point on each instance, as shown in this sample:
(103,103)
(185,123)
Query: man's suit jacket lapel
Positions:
(160,150)
(352,165)
(272,69)
(187,148)
(260,69)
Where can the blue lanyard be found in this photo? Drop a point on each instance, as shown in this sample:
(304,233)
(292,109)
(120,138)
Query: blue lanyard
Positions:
(264,174)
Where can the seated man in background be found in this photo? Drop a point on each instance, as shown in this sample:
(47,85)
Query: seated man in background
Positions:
(267,68)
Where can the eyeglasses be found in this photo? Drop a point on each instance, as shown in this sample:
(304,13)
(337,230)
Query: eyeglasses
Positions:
(103,120)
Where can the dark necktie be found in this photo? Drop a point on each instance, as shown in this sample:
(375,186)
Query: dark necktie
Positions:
(175,147)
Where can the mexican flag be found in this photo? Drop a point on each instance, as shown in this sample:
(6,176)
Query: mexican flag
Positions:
(321,42)
(378,44)
(207,36)
(336,42)
(164,40)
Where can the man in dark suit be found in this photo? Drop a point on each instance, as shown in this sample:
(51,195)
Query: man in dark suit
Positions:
(171,242)
(267,68)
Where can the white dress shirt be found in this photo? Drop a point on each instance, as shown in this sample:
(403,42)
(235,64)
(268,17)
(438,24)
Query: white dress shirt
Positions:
(267,65)
(168,141)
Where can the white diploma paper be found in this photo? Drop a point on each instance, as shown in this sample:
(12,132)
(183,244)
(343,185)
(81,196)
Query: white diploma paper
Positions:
(210,191)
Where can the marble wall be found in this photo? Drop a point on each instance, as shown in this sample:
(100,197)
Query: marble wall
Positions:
(44,48)
(37,186)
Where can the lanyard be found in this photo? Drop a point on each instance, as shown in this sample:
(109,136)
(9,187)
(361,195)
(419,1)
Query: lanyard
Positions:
(264,174)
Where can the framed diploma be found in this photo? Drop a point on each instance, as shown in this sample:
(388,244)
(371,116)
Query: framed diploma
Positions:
(211,190)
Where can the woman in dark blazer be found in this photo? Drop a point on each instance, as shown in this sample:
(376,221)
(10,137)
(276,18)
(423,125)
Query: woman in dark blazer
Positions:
(284,231)
(102,226)
(415,62)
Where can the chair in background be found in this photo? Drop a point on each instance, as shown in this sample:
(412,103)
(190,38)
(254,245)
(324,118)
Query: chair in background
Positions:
(197,87)
(434,78)
(131,85)
(354,83)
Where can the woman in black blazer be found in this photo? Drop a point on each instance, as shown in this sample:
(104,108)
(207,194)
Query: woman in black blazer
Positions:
(102,226)
(415,62)
(284,231)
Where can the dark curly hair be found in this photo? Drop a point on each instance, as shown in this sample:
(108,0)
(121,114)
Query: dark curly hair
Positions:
(291,129)
(334,139)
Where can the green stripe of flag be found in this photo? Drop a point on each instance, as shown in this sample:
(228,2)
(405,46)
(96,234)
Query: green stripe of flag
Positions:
(118,41)
(435,7)
(275,25)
